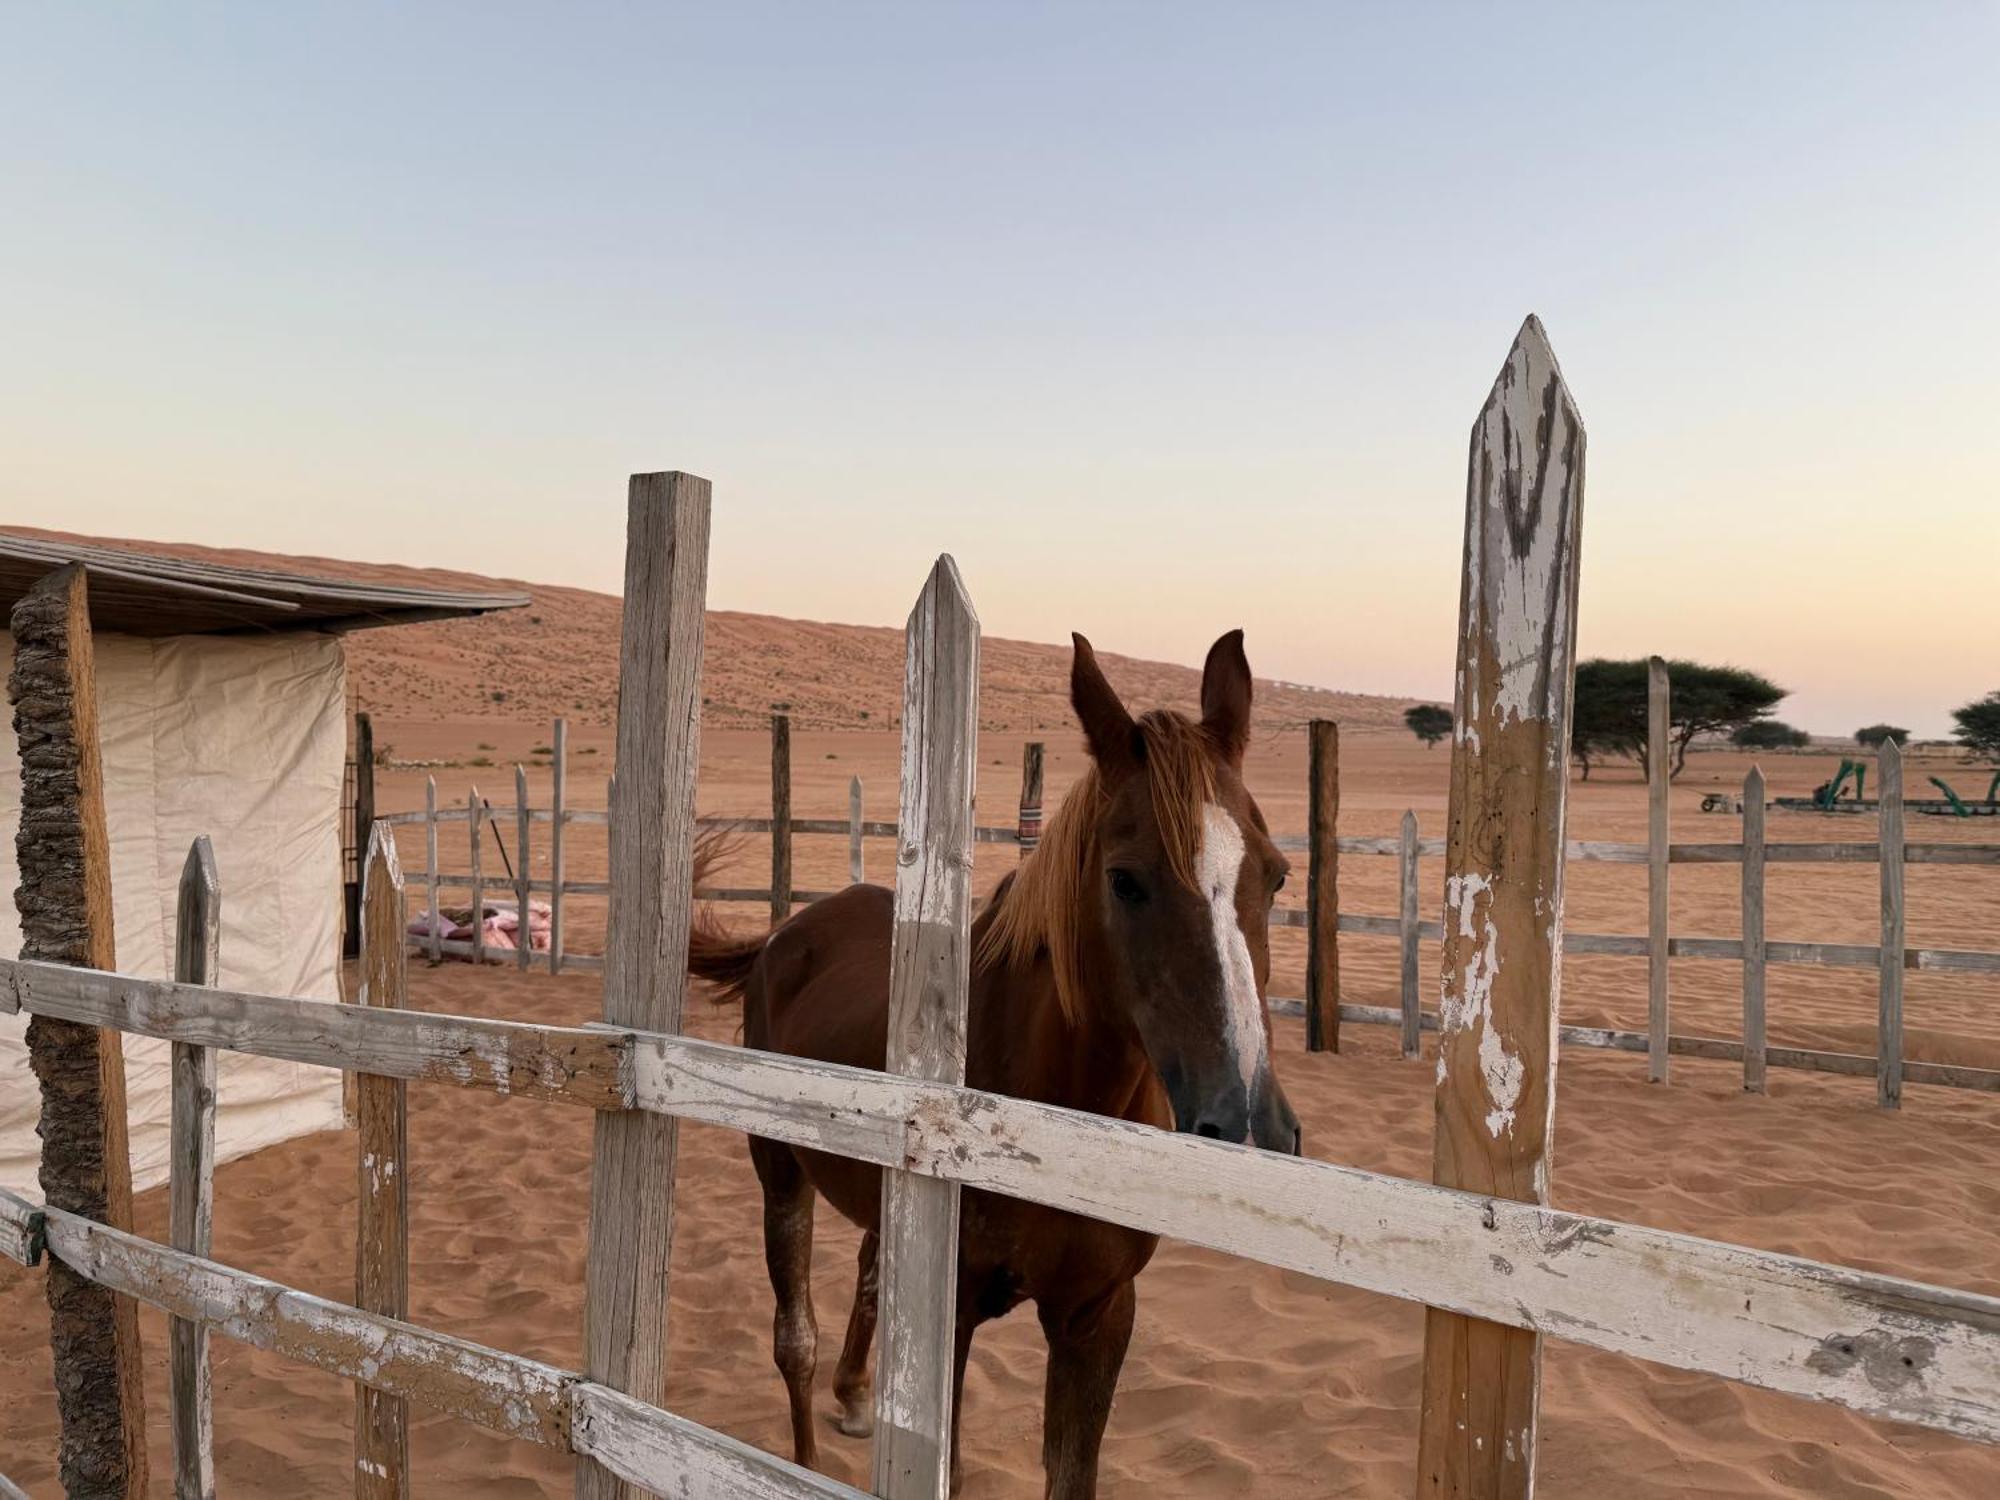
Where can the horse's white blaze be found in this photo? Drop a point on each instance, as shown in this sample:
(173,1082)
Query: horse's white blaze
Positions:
(1242,1007)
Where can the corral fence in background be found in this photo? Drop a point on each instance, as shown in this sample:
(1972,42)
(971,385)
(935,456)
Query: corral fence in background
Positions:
(1481,1247)
(1323,1009)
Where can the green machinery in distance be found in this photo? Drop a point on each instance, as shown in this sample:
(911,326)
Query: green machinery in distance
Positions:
(1957,807)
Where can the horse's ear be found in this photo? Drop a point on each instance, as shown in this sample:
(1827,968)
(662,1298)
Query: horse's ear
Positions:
(1107,728)
(1225,697)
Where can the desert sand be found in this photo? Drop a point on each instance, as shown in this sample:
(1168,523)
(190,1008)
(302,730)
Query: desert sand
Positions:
(1241,1380)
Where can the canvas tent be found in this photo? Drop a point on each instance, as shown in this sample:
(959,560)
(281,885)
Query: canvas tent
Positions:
(222,710)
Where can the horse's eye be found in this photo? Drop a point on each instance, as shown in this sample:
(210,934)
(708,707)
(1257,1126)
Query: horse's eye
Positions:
(1125,888)
(1279,886)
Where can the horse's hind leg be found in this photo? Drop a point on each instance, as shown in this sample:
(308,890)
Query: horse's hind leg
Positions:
(1086,1348)
(852,1387)
(788,1233)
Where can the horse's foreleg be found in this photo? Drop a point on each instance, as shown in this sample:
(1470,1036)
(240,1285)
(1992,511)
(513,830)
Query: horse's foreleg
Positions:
(852,1387)
(788,1234)
(1086,1349)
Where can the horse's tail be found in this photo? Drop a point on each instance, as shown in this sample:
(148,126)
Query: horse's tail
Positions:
(719,957)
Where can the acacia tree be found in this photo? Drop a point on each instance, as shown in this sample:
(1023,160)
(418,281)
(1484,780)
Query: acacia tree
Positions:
(1610,707)
(1874,736)
(1979,727)
(1770,734)
(1428,722)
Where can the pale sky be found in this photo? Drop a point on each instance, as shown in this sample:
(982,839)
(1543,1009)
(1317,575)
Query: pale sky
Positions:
(1163,318)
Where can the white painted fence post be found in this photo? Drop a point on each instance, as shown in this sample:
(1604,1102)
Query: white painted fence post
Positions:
(191,1174)
(382,1212)
(857,867)
(1504,894)
(929,990)
(1889,1028)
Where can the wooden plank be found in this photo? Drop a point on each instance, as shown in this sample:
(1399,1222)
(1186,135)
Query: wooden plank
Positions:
(670,1455)
(1824,1332)
(1504,895)
(382,1234)
(1412,1032)
(645,981)
(781,819)
(558,790)
(431,864)
(1028,829)
(65,904)
(568,1064)
(1753,931)
(523,933)
(857,867)
(191,1174)
(1889,835)
(475,822)
(929,991)
(1658,772)
(1323,887)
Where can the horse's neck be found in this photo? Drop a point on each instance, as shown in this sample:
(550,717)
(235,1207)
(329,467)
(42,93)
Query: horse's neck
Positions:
(1022,1044)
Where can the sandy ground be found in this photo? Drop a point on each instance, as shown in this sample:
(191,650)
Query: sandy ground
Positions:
(1241,1380)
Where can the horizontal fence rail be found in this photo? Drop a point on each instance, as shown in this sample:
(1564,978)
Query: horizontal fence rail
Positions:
(1880,1345)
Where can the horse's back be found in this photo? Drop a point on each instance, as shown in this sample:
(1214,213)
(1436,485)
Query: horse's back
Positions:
(821,987)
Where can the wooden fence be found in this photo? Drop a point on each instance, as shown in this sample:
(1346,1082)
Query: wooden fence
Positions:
(1481,1246)
(1322,1008)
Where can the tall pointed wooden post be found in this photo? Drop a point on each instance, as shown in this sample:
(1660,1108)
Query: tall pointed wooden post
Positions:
(1659,772)
(1889,841)
(65,904)
(191,1174)
(645,964)
(1503,894)
(929,990)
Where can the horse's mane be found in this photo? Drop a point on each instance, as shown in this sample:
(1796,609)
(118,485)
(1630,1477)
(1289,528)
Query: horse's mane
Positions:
(1042,907)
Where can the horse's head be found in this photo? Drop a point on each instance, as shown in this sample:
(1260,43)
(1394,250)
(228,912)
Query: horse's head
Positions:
(1180,876)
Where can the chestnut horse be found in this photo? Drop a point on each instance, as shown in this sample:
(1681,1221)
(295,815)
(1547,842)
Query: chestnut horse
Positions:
(1119,970)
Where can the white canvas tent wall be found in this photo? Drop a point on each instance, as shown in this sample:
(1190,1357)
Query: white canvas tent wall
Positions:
(221,702)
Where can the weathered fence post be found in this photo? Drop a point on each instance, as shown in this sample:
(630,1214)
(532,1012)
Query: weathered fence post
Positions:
(191,1174)
(929,990)
(781,819)
(1407,921)
(1753,931)
(1503,894)
(1658,770)
(558,815)
(65,904)
(523,890)
(431,866)
(1323,888)
(364,819)
(382,1235)
(1028,830)
(475,822)
(857,866)
(645,965)
(1889,1026)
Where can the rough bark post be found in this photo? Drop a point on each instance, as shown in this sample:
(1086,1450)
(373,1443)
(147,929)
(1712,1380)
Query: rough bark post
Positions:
(857,863)
(1889,1027)
(523,935)
(1658,769)
(781,819)
(929,990)
(1503,895)
(382,1240)
(1413,1020)
(65,904)
(558,812)
(475,823)
(1753,931)
(191,1175)
(431,866)
(645,978)
(1323,888)
(364,819)
(1028,831)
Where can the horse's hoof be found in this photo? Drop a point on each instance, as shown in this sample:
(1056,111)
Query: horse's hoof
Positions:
(856,1422)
